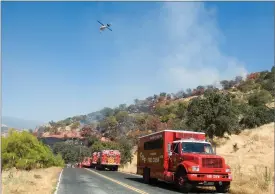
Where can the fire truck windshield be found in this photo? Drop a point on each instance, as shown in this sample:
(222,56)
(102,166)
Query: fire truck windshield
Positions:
(203,148)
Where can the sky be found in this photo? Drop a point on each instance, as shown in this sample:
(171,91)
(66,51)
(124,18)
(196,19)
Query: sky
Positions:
(56,63)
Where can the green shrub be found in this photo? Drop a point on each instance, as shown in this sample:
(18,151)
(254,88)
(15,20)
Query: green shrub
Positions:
(259,98)
(250,120)
(248,85)
(213,114)
(257,116)
(70,152)
(265,114)
(23,151)
(75,125)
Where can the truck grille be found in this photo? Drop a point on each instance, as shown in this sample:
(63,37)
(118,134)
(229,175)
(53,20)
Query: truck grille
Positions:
(212,163)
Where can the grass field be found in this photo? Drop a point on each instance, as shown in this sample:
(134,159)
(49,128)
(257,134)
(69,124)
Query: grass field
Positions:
(42,181)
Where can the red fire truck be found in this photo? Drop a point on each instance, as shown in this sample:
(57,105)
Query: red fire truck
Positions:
(184,158)
(109,159)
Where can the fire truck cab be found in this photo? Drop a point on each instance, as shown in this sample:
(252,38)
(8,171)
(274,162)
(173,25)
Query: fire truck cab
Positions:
(184,158)
(95,158)
(86,162)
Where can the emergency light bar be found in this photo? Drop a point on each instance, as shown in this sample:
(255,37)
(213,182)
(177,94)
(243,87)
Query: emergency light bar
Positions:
(110,152)
(190,136)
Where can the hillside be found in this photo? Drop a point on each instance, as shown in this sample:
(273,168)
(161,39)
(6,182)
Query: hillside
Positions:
(252,162)
(242,99)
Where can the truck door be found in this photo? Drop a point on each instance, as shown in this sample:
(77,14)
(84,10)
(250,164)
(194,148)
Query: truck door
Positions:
(175,157)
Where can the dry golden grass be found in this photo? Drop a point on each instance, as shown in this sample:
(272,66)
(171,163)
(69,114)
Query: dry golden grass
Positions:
(35,181)
(252,162)
(270,105)
(130,167)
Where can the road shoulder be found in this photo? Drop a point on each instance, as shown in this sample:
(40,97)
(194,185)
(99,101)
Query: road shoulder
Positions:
(34,181)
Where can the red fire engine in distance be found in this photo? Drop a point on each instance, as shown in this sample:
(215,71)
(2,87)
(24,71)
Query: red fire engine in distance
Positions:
(109,159)
(184,158)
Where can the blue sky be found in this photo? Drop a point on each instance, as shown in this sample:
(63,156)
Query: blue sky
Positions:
(56,64)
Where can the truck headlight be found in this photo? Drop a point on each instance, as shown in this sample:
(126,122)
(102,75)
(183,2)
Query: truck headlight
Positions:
(228,170)
(194,168)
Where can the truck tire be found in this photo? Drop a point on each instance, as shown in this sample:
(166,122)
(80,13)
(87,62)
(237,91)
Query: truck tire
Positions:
(99,167)
(115,168)
(224,188)
(147,178)
(181,181)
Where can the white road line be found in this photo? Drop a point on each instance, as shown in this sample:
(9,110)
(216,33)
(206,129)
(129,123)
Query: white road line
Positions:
(57,186)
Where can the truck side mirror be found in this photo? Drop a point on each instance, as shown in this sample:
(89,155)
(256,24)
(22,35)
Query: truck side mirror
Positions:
(215,149)
(170,153)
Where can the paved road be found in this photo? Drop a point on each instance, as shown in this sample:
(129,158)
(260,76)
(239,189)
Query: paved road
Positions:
(90,181)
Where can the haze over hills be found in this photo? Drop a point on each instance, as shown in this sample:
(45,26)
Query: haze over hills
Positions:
(4,128)
(19,123)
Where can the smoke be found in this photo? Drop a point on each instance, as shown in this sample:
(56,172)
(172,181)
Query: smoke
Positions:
(179,46)
(196,57)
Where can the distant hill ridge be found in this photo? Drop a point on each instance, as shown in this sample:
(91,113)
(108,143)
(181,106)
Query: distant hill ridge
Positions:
(18,123)
(4,128)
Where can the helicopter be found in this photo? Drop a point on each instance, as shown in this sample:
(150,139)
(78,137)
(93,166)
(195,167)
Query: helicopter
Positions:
(103,27)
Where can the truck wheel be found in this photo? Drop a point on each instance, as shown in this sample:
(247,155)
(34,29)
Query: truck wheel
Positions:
(115,168)
(224,188)
(182,182)
(100,168)
(112,168)
(146,175)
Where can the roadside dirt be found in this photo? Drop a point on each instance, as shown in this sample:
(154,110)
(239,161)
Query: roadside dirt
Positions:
(42,181)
